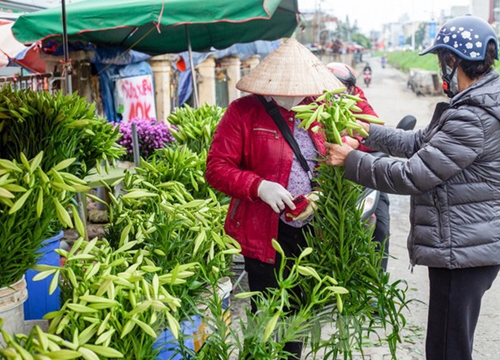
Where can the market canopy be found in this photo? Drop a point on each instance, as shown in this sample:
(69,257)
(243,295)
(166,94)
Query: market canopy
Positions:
(159,26)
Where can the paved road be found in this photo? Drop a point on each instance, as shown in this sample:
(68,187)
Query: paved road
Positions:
(392,100)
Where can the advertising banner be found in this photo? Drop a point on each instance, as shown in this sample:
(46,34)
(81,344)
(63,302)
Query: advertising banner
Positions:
(134,98)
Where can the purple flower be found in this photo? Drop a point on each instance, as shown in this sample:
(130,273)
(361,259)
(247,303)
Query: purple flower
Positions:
(151,134)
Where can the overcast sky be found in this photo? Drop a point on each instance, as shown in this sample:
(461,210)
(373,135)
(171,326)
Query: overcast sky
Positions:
(371,14)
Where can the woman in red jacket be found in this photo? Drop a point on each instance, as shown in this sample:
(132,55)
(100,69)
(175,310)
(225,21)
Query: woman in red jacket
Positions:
(251,161)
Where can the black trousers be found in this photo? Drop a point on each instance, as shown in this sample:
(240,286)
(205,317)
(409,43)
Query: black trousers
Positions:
(454,305)
(261,276)
(382,226)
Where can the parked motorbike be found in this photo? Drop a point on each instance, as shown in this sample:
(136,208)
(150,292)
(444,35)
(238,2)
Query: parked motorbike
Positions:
(367,77)
(369,197)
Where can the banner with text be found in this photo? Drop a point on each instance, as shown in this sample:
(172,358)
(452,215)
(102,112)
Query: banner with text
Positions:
(134,98)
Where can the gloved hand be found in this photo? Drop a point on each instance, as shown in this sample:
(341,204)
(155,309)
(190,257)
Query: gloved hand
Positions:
(275,195)
(312,197)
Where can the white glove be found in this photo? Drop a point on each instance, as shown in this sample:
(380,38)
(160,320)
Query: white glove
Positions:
(275,195)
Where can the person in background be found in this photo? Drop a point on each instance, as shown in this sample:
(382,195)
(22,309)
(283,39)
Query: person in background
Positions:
(251,161)
(367,74)
(367,69)
(347,76)
(452,173)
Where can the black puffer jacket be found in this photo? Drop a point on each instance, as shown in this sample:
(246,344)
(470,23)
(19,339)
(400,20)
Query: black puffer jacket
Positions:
(452,174)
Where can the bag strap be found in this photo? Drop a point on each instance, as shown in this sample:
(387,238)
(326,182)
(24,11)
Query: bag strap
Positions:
(273,111)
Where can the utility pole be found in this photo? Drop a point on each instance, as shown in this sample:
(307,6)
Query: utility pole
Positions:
(318,20)
(316,33)
(413,35)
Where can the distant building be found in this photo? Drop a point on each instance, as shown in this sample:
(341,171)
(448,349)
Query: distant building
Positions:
(393,33)
(494,17)
(489,10)
(460,10)
(481,8)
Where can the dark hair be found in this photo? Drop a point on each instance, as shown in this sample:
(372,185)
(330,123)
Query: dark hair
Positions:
(473,69)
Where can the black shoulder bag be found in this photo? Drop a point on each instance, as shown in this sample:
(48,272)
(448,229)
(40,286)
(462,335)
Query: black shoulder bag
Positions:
(273,111)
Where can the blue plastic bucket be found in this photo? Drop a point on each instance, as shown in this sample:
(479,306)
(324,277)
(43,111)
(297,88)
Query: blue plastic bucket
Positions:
(39,301)
(194,329)
(168,343)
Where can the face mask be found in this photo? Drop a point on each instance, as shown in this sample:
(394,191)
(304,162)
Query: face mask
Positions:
(450,80)
(287,102)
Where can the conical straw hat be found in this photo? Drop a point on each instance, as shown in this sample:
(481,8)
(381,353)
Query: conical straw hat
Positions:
(290,70)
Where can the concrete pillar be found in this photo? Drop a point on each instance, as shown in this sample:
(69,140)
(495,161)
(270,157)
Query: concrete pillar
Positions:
(348,59)
(206,82)
(252,62)
(161,77)
(232,66)
(248,65)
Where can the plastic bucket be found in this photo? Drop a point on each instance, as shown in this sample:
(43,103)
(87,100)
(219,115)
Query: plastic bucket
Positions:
(224,290)
(39,301)
(11,307)
(193,329)
(168,343)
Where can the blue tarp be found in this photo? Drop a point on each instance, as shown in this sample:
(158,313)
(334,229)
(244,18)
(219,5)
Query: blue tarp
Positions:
(113,63)
(108,75)
(118,56)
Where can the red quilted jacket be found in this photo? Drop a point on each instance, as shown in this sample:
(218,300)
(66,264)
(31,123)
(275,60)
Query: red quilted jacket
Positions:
(247,148)
(365,109)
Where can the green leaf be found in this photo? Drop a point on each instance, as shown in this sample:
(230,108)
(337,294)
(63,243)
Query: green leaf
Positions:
(25,162)
(35,162)
(14,188)
(62,214)
(64,354)
(39,203)
(6,164)
(173,324)
(44,274)
(64,164)
(129,326)
(87,354)
(136,194)
(271,325)
(104,351)
(78,221)
(147,329)
(6,194)
(20,202)
(54,282)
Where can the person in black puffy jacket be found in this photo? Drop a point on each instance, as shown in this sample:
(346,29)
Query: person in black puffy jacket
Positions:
(452,173)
